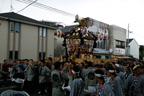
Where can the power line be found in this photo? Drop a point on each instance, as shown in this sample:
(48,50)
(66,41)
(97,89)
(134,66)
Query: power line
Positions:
(42,6)
(11,6)
(27,6)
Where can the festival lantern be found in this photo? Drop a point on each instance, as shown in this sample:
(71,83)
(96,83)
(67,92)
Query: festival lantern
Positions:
(59,32)
(100,37)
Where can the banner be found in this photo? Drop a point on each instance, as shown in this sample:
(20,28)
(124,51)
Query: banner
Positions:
(119,51)
(100,51)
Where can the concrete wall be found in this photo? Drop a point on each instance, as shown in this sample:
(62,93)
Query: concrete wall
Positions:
(29,42)
(134,49)
(119,33)
(116,33)
(3,40)
(111,37)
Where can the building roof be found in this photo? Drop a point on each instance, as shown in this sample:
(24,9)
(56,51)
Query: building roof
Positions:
(68,28)
(20,18)
(129,40)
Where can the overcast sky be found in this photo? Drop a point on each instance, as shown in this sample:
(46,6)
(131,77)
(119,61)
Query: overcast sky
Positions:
(117,12)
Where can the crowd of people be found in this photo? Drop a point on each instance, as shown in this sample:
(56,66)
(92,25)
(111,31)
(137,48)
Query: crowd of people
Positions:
(66,77)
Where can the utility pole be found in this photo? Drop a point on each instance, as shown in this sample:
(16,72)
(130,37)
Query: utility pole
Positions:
(128,47)
(128,42)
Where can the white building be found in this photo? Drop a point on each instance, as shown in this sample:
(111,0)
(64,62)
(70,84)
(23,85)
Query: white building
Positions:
(22,37)
(133,49)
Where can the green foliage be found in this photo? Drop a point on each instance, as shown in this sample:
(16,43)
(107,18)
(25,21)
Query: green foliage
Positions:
(141,50)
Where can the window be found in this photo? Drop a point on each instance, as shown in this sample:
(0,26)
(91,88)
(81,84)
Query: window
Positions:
(100,43)
(44,32)
(103,44)
(103,57)
(11,26)
(40,31)
(16,55)
(120,44)
(97,44)
(17,27)
(43,55)
(10,55)
(39,55)
(98,57)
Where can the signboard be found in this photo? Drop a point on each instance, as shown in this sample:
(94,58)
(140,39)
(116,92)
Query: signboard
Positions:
(98,28)
(100,51)
(119,51)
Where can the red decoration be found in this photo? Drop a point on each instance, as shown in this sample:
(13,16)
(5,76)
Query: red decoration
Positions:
(59,33)
(101,36)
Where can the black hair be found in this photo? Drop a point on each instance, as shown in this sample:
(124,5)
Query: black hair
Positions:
(90,64)
(26,60)
(128,67)
(17,75)
(142,66)
(109,67)
(85,61)
(64,57)
(97,65)
(82,64)
(57,65)
(50,58)
(113,63)
(76,68)
(102,61)
(101,66)
(30,59)
(73,63)
(18,59)
(99,71)
(112,68)
(5,60)
(43,61)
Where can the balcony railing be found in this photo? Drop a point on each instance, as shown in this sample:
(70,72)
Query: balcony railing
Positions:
(119,46)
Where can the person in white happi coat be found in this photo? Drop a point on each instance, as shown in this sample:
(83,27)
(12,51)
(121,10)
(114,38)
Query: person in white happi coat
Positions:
(134,85)
(116,83)
(102,88)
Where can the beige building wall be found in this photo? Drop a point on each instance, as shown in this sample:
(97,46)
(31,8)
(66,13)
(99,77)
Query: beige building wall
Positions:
(44,44)
(3,40)
(11,41)
(50,42)
(29,42)
(16,41)
(40,44)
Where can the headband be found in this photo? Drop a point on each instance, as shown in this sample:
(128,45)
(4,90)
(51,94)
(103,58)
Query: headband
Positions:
(117,65)
(135,67)
(75,72)
(98,75)
(111,71)
(18,80)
